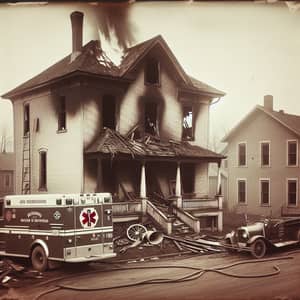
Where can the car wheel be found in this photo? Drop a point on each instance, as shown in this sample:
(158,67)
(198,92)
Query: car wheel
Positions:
(258,248)
(229,250)
(39,259)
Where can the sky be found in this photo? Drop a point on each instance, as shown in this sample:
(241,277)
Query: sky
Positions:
(246,49)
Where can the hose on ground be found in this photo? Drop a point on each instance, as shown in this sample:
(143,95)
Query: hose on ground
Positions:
(197,273)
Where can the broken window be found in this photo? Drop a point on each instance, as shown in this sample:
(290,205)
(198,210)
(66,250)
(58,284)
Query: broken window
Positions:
(265,192)
(187,123)
(151,123)
(43,170)
(26,120)
(242,191)
(292,153)
(265,154)
(292,192)
(109,112)
(242,154)
(62,120)
(152,72)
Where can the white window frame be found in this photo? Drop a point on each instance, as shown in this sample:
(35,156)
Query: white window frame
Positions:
(287,153)
(238,155)
(237,190)
(261,153)
(287,192)
(260,199)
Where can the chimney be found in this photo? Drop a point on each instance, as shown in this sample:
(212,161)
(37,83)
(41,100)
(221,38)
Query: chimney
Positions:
(76,21)
(268,102)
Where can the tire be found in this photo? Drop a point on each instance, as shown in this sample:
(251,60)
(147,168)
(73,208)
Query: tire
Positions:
(258,248)
(39,259)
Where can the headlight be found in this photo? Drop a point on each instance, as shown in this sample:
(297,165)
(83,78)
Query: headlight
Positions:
(244,235)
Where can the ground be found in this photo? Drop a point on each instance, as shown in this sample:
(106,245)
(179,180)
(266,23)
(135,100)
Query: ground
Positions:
(90,278)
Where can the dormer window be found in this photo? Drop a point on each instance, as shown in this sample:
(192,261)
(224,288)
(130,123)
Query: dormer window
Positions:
(152,72)
(62,120)
(187,123)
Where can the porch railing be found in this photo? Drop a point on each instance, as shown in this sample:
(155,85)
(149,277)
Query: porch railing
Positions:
(202,203)
(127,208)
(159,217)
(187,218)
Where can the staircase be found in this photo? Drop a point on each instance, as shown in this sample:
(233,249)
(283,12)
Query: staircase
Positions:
(26,165)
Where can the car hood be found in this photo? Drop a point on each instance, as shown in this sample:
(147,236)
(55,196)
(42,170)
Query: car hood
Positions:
(254,229)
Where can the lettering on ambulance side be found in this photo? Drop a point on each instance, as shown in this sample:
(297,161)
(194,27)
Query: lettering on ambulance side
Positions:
(88,217)
(34,217)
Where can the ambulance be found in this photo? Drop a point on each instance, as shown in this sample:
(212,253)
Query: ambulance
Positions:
(57,227)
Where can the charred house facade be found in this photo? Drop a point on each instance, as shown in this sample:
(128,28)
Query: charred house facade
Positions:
(138,130)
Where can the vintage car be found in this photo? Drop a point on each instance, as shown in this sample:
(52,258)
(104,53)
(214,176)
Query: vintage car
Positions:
(259,237)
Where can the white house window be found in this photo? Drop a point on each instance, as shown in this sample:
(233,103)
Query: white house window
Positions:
(292,192)
(26,119)
(152,72)
(265,154)
(265,192)
(43,170)
(292,151)
(241,187)
(62,114)
(242,154)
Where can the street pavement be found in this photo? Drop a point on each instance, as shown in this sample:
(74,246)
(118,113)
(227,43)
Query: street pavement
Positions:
(90,278)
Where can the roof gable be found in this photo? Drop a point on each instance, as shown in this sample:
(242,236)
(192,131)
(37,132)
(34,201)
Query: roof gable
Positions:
(290,122)
(138,52)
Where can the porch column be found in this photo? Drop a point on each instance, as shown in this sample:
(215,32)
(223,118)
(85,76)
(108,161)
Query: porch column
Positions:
(178,192)
(219,180)
(143,191)
(99,175)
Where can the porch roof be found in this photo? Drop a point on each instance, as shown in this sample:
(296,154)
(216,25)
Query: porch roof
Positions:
(113,143)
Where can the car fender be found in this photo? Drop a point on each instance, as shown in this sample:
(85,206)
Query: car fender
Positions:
(229,236)
(256,237)
(42,244)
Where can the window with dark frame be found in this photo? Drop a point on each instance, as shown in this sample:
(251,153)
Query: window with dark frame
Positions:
(152,72)
(292,192)
(242,154)
(62,114)
(292,153)
(264,192)
(242,191)
(265,154)
(109,111)
(43,170)
(187,123)
(26,120)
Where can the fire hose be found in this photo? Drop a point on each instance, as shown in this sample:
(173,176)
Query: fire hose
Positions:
(195,274)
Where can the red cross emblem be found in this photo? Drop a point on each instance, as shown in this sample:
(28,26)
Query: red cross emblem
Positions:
(88,217)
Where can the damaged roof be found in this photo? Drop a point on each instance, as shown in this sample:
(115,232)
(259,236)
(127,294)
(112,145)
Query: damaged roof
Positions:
(112,142)
(291,122)
(93,60)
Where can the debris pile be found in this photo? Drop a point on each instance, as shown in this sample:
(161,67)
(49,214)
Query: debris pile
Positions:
(11,273)
(203,245)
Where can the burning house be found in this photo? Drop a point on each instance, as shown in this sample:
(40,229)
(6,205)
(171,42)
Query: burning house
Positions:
(138,130)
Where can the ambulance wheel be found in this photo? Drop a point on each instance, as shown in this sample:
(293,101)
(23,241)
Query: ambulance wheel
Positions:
(39,259)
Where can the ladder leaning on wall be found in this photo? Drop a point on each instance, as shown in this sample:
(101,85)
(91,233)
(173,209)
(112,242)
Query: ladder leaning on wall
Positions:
(26,165)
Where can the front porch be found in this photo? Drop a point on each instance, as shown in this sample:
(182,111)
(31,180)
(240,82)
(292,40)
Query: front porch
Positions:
(166,181)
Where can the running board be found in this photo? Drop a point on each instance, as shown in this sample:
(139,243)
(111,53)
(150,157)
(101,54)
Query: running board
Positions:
(287,243)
